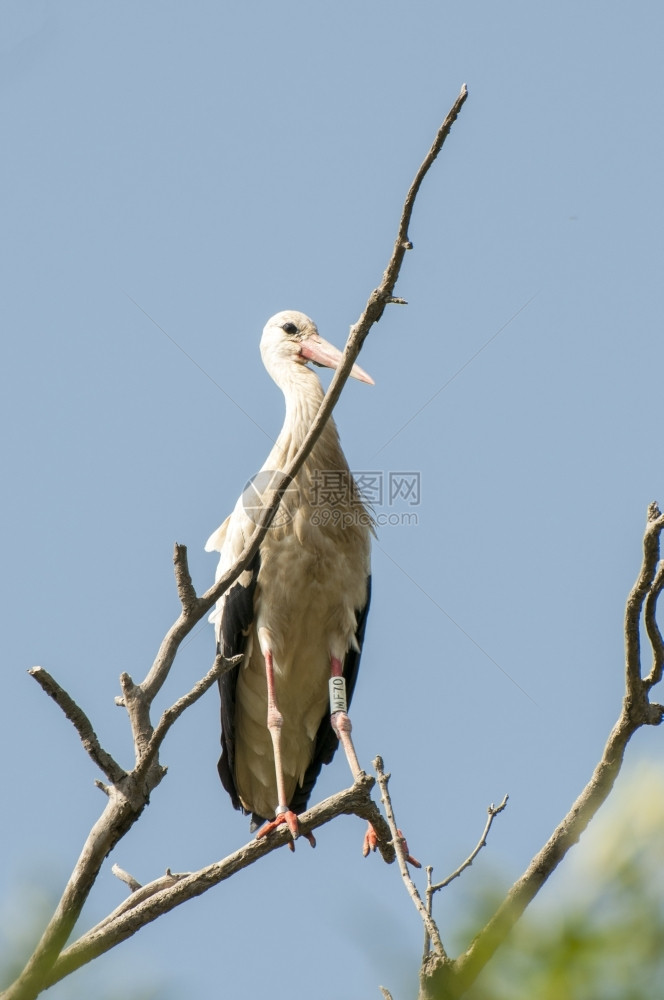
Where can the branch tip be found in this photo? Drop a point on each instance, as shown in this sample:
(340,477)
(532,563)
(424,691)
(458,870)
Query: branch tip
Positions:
(492,812)
(80,722)
(126,683)
(653,511)
(186,590)
(125,877)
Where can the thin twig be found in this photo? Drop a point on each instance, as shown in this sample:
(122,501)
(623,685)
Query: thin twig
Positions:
(652,628)
(429,899)
(125,877)
(636,598)
(432,888)
(81,723)
(492,812)
(397,840)
(170,715)
(140,893)
(402,243)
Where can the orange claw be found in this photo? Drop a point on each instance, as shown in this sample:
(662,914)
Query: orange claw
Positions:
(291,820)
(371,843)
(409,858)
(370,840)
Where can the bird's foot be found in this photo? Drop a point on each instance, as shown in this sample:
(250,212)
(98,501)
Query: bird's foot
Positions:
(290,819)
(371,843)
(408,856)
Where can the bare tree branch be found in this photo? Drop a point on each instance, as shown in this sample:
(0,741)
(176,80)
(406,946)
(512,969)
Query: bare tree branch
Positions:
(159,897)
(652,628)
(636,598)
(138,892)
(171,715)
(433,888)
(126,878)
(397,840)
(81,724)
(492,812)
(402,242)
(447,980)
(186,590)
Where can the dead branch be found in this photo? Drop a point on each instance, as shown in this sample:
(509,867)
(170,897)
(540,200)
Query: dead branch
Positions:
(449,979)
(652,628)
(163,895)
(81,724)
(432,888)
(125,877)
(397,840)
(183,581)
(172,714)
(492,812)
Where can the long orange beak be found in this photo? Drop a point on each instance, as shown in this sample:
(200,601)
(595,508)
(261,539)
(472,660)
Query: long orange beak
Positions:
(322,353)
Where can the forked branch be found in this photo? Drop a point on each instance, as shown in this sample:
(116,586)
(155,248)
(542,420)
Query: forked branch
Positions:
(447,979)
(398,841)
(434,887)
(492,812)
(81,724)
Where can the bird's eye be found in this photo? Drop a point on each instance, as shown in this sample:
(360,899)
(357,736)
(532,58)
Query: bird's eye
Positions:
(289,328)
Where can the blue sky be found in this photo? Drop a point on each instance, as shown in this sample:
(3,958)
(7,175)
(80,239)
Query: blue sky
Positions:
(215,165)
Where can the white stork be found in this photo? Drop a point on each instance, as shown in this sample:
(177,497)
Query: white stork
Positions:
(297,615)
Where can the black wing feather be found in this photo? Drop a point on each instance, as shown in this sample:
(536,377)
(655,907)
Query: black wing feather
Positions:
(236,620)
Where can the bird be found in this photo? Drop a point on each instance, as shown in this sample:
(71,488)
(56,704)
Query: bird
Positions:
(297,615)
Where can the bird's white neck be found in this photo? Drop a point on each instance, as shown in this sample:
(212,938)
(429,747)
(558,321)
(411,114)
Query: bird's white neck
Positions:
(303,393)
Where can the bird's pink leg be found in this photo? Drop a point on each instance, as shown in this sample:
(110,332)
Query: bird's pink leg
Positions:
(339,715)
(342,726)
(275,721)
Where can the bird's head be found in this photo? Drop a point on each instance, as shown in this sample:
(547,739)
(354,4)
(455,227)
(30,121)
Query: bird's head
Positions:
(291,338)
